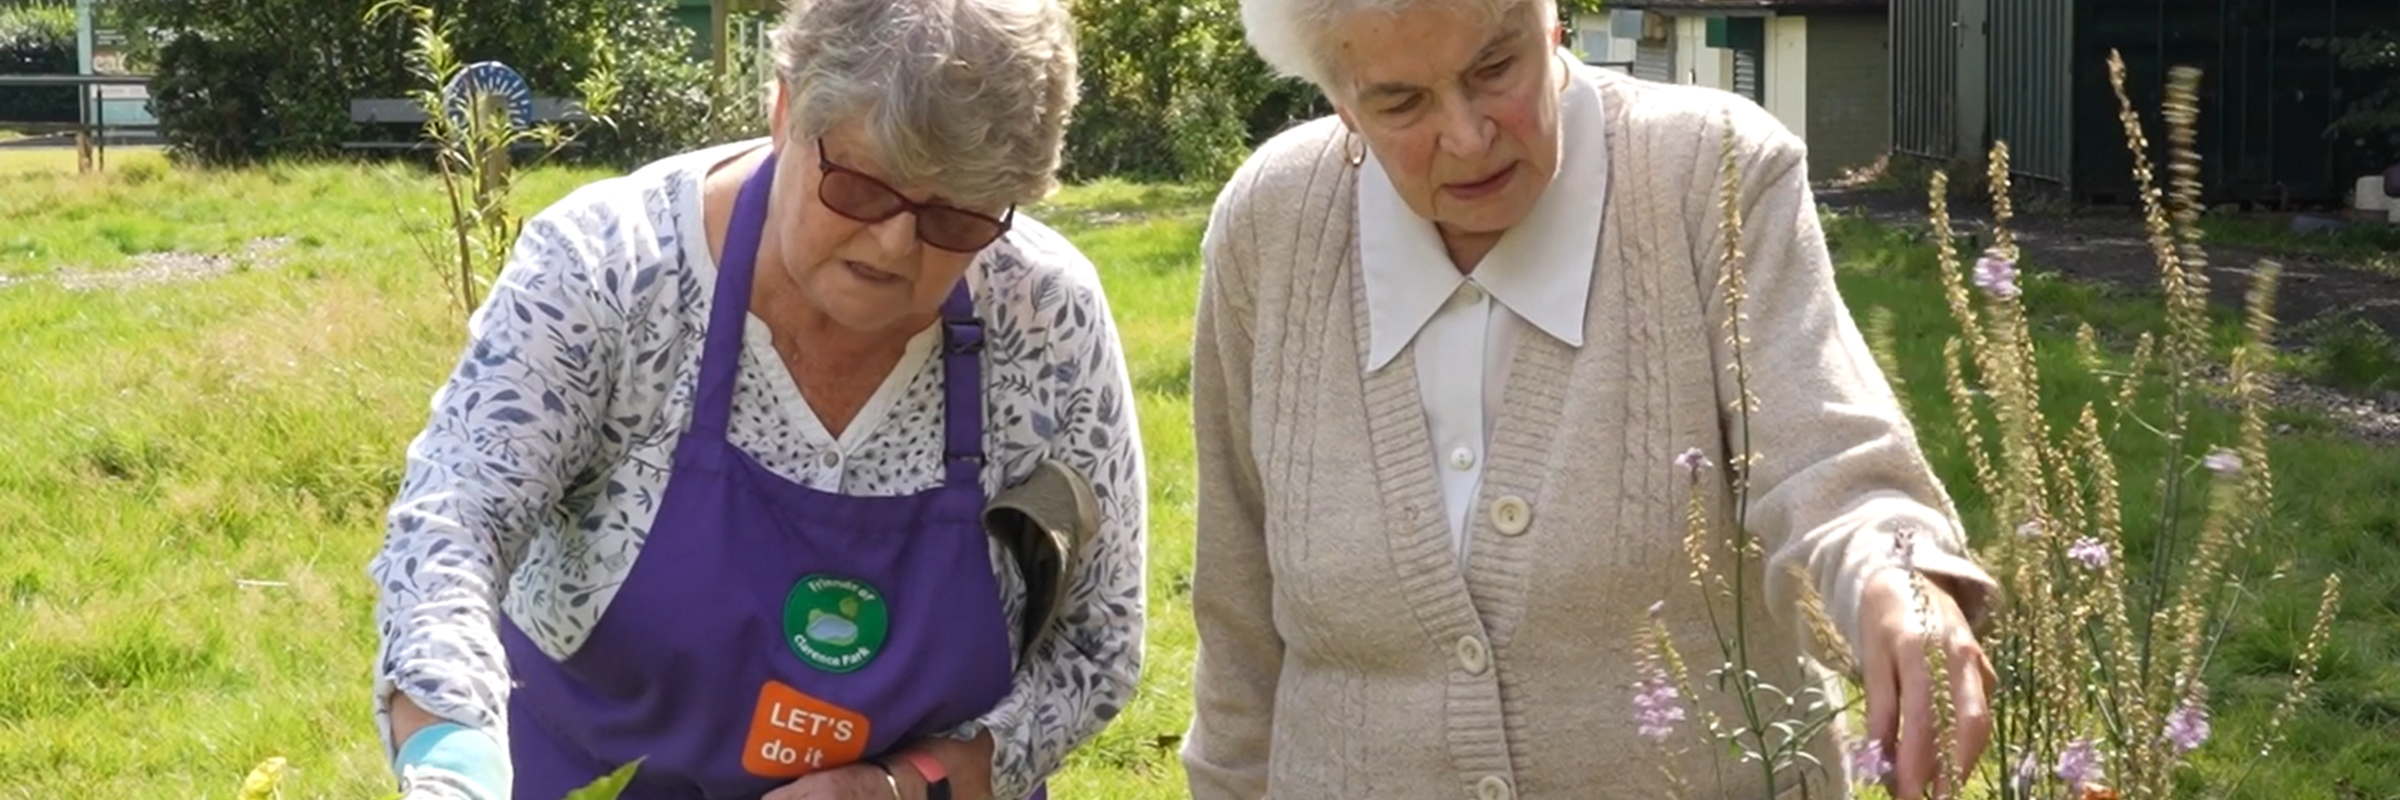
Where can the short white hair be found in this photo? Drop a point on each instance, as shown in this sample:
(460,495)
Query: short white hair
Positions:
(971,97)
(1291,35)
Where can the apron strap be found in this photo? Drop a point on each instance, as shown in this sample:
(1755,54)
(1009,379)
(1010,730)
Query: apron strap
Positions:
(962,389)
(729,307)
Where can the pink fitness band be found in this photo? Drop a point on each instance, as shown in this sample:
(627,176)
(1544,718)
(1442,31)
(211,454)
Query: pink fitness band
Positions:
(937,780)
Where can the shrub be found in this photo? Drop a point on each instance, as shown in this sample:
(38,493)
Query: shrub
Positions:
(37,40)
(660,96)
(1172,91)
(240,80)
(2371,119)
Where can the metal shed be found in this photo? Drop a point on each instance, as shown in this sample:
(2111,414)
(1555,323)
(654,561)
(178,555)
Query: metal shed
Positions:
(2267,96)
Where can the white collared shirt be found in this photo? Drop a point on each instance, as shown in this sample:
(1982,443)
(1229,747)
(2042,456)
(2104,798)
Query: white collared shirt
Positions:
(1464,328)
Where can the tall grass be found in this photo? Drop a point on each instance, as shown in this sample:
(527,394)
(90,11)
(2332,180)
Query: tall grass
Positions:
(2110,614)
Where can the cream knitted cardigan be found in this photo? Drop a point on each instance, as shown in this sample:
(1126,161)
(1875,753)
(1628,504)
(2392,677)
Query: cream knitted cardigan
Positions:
(1344,651)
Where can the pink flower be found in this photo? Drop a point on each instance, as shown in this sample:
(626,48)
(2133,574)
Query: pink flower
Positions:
(2079,764)
(1693,461)
(1997,276)
(2090,551)
(2187,726)
(1868,764)
(1657,706)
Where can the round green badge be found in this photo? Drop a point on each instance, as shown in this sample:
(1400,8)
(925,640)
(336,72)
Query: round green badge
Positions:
(836,624)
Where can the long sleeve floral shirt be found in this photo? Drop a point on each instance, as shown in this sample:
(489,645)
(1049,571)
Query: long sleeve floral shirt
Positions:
(533,484)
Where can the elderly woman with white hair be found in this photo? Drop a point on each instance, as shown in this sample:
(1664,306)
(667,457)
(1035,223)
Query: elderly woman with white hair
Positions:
(1451,343)
(803,468)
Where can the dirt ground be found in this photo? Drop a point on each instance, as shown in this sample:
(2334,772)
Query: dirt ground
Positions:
(2106,244)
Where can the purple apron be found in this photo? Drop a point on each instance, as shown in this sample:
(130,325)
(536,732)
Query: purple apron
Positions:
(768,629)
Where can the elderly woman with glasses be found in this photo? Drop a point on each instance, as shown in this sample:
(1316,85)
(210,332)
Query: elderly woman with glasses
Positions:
(1461,355)
(803,468)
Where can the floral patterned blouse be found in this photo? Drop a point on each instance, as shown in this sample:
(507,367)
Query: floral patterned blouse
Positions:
(536,478)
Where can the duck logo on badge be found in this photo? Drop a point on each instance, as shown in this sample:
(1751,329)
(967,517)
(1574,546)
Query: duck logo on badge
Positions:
(835,624)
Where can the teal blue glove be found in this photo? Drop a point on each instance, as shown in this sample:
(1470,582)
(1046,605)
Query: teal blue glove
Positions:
(478,761)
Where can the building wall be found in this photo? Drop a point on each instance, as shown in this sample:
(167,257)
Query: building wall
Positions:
(1696,62)
(1654,56)
(1848,86)
(1594,40)
(1787,68)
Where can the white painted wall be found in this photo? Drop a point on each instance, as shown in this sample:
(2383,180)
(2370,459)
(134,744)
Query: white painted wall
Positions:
(1786,91)
(1695,61)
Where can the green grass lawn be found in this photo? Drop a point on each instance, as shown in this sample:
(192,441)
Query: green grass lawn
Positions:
(193,475)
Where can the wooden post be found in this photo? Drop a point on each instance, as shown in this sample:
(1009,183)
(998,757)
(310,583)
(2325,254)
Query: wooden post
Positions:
(87,111)
(717,14)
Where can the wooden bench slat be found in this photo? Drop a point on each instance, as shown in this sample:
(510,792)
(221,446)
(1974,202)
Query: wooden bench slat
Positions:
(395,110)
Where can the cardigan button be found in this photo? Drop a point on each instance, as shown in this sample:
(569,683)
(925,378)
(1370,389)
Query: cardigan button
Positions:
(1511,515)
(1471,655)
(1492,787)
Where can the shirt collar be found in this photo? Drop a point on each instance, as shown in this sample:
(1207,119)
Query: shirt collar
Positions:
(1541,269)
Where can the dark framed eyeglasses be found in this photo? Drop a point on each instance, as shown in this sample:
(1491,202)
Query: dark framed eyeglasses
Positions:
(861,197)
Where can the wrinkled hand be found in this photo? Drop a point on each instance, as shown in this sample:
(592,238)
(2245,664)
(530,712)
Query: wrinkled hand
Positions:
(1899,688)
(861,781)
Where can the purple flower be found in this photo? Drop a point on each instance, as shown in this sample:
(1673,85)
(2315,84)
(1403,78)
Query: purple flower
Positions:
(1693,461)
(1657,706)
(2187,726)
(2023,776)
(2079,764)
(1997,276)
(1868,764)
(2225,463)
(2090,551)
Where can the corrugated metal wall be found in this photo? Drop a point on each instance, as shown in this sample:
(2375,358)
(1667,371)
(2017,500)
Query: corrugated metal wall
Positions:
(2266,94)
(2031,86)
(1925,77)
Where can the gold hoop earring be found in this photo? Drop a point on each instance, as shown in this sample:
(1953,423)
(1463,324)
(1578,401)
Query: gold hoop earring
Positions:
(1353,150)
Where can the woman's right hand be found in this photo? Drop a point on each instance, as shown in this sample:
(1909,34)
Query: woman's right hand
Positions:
(449,761)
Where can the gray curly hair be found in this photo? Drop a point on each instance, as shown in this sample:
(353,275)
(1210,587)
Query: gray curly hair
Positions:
(1292,36)
(969,96)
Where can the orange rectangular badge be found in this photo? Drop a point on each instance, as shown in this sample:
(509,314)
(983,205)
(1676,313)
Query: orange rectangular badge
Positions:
(793,734)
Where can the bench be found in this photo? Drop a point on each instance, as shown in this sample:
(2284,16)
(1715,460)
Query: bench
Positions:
(103,109)
(390,111)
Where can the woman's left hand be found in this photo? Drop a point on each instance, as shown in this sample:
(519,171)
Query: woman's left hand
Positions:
(1899,688)
(861,781)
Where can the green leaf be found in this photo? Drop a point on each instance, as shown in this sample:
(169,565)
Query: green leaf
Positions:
(608,786)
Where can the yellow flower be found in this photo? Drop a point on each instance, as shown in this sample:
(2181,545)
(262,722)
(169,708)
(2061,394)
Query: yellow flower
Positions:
(263,779)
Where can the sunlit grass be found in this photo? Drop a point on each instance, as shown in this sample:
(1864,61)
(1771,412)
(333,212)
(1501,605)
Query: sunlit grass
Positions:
(193,475)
